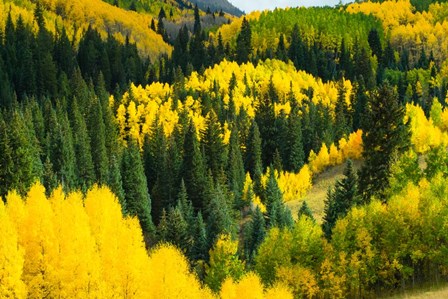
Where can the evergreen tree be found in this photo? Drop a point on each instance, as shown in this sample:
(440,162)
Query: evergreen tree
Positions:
(375,44)
(81,141)
(200,247)
(279,215)
(253,156)
(294,144)
(138,202)
(244,43)
(342,121)
(340,199)
(219,220)
(6,160)
(256,233)
(213,146)
(197,21)
(62,152)
(235,166)
(265,118)
(177,229)
(281,52)
(193,171)
(305,211)
(385,137)
(97,134)
(115,182)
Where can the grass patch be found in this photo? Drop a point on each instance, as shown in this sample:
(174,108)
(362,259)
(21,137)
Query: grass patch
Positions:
(318,193)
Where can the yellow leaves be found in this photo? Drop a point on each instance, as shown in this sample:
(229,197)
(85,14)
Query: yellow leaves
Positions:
(321,161)
(170,276)
(278,290)
(249,287)
(300,279)
(406,28)
(77,16)
(424,135)
(75,247)
(11,259)
(295,186)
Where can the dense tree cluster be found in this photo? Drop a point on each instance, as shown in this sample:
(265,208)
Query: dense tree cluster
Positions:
(205,148)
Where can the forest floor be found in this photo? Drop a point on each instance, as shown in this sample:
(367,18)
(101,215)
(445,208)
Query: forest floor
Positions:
(318,193)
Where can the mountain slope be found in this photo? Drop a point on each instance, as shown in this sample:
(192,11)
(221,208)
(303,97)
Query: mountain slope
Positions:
(217,5)
(77,16)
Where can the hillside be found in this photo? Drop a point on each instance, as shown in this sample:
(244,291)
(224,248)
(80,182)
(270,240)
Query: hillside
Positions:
(77,16)
(150,149)
(218,5)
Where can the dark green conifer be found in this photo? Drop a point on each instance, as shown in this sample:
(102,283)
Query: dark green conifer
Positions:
(138,202)
(386,136)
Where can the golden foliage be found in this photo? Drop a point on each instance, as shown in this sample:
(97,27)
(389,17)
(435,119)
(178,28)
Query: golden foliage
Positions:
(82,247)
(411,30)
(77,16)
(424,134)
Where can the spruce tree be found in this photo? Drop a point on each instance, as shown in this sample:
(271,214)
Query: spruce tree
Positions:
(386,136)
(278,214)
(6,159)
(295,155)
(305,211)
(115,181)
(201,243)
(253,156)
(244,43)
(235,166)
(257,233)
(193,171)
(219,220)
(138,202)
(97,134)
(341,199)
(213,146)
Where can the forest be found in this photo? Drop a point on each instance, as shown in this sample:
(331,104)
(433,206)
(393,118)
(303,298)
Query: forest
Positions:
(140,163)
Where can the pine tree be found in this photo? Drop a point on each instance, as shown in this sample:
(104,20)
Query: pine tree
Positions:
(340,199)
(177,229)
(279,215)
(200,246)
(213,146)
(138,202)
(253,156)
(295,155)
(305,211)
(219,220)
(244,43)
(193,171)
(6,159)
(97,134)
(257,233)
(281,52)
(385,137)
(265,118)
(235,166)
(81,141)
(342,121)
(197,21)
(115,182)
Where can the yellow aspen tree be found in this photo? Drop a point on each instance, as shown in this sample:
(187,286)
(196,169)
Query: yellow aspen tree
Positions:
(11,259)
(79,272)
(123,257)
(41,244)
(170,276)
